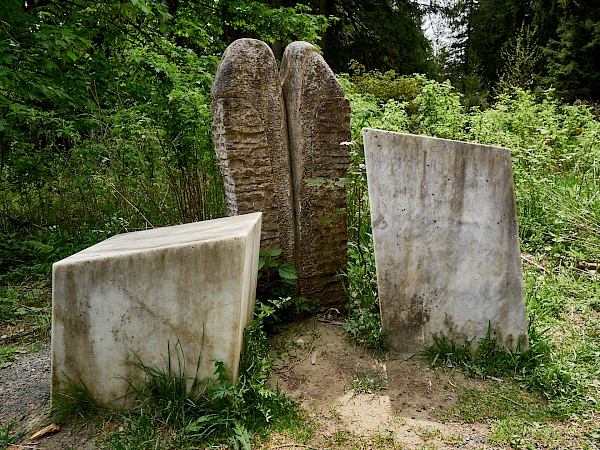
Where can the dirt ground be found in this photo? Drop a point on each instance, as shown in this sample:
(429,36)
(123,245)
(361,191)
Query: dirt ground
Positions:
(319,366)
(323,370)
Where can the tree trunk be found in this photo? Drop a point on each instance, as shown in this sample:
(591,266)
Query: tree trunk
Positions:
(277,45)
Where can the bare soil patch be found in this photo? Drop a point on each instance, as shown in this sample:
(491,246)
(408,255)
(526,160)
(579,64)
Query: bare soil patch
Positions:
(318,365)
(323,370)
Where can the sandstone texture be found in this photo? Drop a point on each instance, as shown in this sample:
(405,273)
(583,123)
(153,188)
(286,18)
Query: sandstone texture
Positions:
(318,118)
(250,137)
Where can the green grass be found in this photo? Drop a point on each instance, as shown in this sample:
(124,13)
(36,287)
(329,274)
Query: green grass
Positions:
(551,390)
(26,309)
(25,318)
(368,383)
(179,411)
(8,435)
(8,354)
(522,419)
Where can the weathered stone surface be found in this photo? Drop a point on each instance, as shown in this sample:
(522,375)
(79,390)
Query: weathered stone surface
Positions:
(251,141)
(318,117)
(138,293)
(446,240)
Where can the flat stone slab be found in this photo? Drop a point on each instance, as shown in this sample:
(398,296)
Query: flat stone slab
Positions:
(190,288)
(446,240)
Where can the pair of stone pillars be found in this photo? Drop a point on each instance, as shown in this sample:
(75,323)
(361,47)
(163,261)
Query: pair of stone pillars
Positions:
(272,131)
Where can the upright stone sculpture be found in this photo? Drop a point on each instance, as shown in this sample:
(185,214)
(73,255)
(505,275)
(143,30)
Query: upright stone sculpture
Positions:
(188,287)
(318,118)
(250,136)
(270,142)
(446,240)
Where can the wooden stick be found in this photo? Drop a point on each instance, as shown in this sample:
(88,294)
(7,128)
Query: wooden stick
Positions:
(531,261)
(53,428)
(293,445)
(512,401)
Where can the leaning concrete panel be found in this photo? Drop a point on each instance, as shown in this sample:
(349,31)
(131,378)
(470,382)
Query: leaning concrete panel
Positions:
(250,137)
(318,117)
(138,293)
(446,240)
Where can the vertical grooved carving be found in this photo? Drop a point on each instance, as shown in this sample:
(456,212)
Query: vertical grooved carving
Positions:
(253,116)
(318,121)
(251,142)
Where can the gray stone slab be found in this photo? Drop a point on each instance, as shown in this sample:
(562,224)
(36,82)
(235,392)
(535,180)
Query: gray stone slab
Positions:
(250,137)
(446,240)
(190,285)
(318,118)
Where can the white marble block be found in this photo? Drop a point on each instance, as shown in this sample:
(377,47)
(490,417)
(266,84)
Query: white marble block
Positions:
(446,240)
(139,293)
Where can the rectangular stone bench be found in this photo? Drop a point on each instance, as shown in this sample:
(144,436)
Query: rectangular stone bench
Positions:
(189,287)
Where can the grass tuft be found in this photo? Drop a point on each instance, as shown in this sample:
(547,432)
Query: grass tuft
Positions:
(8,435)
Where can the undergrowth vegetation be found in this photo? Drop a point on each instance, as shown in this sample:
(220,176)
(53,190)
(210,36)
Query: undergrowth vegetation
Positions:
(134,174)
(177,411)
(556,163)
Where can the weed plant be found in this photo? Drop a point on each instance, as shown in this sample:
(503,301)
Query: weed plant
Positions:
(367,384)
(178,411)
(74,402)
(363,321)
(9,436)
(276,300)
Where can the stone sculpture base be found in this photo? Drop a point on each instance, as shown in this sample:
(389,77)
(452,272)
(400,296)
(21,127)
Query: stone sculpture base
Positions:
(188,287)
(446,240)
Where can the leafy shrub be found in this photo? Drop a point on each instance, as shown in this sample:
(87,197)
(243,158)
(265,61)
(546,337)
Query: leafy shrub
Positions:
(364,321)
(276,298)
(533,366)
(383,86)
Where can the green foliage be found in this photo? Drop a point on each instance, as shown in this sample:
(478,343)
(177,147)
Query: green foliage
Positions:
(534,368)
(383,86)
(179,411)
(9,436)
(8,354)
(274,276)
(73,402)
(439,111)
(486,358)
(367,384)
(492,43)
(276,298)
(571,45)
(377,33)
(28,305)
(106,123)
(520,61)
(364,321)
